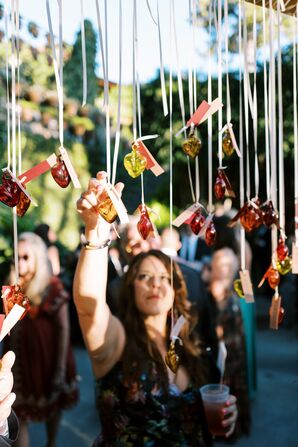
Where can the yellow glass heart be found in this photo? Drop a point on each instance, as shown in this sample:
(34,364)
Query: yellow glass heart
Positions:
(135,163)
(238,288)
(192,146)
(227,144)
(285,266)
(171,358)
(106,208)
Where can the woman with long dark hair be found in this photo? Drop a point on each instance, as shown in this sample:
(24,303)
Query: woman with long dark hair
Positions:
(142,402)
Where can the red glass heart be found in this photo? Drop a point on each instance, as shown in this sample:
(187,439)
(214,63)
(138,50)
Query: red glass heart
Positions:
(270,216)
(282,250)
(281,314)
(210,234)
(251,217)
(23,205)
(16,296)
(197,222)
(9,191)
(219,188)
(145,227)
(60,173)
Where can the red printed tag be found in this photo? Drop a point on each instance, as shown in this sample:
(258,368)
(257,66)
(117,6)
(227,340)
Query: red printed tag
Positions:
(151,162)
(201,111)
(213,107)
(37,170)
(70,168)
(186,215)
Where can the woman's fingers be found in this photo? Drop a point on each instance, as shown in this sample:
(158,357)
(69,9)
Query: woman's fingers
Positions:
(5,406)
(230,415)
(7,362)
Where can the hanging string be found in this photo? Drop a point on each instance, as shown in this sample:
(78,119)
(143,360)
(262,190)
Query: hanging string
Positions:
(272,124)
(83,56)
(281,184)
(106,88)
(219,81)
(172,27)
(99,26)
(7,87)
(117,137)
(18,107)
(190,62)
(13,129)
(295,34)
(241,143)
(228,96)
(255,104)
(246,88)
(181,97)
(210,189)
(162,74)
(58,73)
(267,151)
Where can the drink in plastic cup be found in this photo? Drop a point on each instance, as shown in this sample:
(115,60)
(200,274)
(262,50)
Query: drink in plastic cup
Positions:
(214,397)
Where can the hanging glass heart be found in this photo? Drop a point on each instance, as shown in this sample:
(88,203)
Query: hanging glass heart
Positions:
(135,163)
(60,173)
(23,204)
(282,250)
(9,191)
(197,222)
(227,144)
(171,358)
(270,216)
(106,208)
(238,288)
(285,266)
(219,188)
(192,145)
(145,227)
(251,217)
(210,234)
(16,296)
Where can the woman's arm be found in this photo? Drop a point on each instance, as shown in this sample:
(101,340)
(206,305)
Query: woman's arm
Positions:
(103,333)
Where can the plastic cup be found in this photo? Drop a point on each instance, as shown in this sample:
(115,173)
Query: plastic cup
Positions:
(214,397)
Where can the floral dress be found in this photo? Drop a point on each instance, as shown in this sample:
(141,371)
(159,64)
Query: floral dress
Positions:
(141,414)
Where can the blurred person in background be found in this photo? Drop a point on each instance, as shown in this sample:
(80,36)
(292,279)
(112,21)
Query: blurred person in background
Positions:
(44,370)
(49,237)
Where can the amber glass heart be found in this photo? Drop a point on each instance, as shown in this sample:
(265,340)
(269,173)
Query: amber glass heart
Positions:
(285,266)
(282,250)
(273,278)
(16,296)
(23,205)
(60,173)
(227,144)
(135,163)
(210,234)
(219,188)
(106,208)
(238,288)
(192,145)
(197,222)
(251,218)
(171,358)
(9,191)
(145,227)
(270,216)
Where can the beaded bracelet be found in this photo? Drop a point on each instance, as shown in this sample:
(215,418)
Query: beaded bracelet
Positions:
(93,245)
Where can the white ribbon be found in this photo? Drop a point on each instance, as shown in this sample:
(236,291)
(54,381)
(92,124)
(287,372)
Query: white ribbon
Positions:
(246,90)
(219,80)
(267,151)
(172,28)
(18,107)
(176,329)
(255,104)
(117,137)
(281,183)
(7,87)
(83,56)
(106,87)
(210,186)
(162,74)
(241,159)
(228,96)
(99,26)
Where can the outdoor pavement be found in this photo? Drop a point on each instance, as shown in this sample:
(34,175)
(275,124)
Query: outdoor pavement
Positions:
(274,409)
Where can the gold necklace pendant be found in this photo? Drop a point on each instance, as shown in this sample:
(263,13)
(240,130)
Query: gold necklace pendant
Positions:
(171,358)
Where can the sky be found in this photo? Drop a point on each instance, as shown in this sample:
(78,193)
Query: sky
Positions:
(148,50)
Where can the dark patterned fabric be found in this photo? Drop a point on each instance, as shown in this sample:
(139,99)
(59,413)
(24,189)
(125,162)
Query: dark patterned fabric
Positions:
(36,341)
(141,414)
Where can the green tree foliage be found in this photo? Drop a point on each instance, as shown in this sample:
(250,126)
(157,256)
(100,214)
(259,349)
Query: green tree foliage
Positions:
(73,70)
